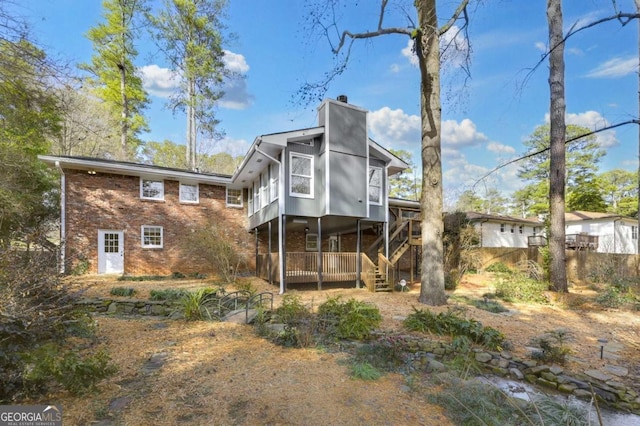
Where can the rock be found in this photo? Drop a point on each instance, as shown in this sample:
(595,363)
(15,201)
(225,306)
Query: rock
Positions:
(582,393)
(567,388)
(598,375)
(506,355)
(483,357)
(616,370)
(435,366)
(503,363)
(516,374)
(546,383)
(556,370)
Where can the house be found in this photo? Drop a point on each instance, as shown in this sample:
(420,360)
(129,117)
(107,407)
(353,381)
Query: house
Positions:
(615,233)
(315,199)
(506,231)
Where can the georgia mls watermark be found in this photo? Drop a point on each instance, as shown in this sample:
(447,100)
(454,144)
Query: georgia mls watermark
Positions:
(30,415)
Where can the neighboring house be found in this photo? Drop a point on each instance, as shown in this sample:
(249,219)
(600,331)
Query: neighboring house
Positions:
(316,200)
(615,233)
(505,231)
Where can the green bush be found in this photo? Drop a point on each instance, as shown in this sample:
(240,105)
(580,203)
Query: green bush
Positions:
(499,267)
(123,291)
(553,346)
(520,288)
(450,324)
(352,319)
(365,371)
(167,294)
(75,372)
(199,305)
(291,311)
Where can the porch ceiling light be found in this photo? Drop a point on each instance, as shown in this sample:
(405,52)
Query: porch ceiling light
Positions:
(296,220)
(91,172)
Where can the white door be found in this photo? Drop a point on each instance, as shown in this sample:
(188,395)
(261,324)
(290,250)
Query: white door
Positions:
(110,252)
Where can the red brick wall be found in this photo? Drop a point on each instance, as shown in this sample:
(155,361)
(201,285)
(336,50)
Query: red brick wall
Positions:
(112,202)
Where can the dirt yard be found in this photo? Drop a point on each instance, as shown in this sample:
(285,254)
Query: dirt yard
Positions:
(209,373)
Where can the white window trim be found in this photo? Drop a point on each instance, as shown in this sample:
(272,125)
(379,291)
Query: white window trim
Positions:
(264,189)
(274,181)
(250,201)
(257,205)
(151,246)
(197,200)
(161,198)
(376,203)
(502,227)
(227,198)
(311,177)
(307,241)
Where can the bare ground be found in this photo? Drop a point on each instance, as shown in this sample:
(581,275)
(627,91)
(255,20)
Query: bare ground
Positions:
(209,373)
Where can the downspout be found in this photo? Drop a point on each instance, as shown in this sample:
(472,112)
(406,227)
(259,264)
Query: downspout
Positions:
(63,219)
(281,259)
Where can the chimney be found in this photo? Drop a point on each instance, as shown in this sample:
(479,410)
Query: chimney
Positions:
(342,98)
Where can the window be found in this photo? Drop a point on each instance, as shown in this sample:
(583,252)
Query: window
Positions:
(375,185)
(634,232)
(256,196)
(312,242)
(301,175)
(250,201)
(189,193)
(264,189)
(234,197)
(502,226)
(151,189)
(521,229)
(151,236)
(513,229)
(535,230)
(274,173)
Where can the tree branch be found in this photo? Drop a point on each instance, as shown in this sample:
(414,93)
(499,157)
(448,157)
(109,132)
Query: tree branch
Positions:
(568,141)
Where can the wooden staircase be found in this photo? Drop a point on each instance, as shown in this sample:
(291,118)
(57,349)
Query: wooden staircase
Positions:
(381,281)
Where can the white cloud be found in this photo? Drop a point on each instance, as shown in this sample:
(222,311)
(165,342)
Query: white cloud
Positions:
(463,134)
(592,120)
(616,67)
(500,148)
(394,128)
(235,62)
(394,68)
(158,81)
(542,47)
(236,92)
(410,54)
(233,147)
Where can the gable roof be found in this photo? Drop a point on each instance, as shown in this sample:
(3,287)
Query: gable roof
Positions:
(580,215)
(483,217)
(132,169)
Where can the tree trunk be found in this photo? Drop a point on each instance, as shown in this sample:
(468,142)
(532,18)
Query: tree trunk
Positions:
(638,213)
(558,269)
(428,50)
(124,124)
(191,163)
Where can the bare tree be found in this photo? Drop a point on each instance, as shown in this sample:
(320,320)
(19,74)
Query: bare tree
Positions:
(426,36)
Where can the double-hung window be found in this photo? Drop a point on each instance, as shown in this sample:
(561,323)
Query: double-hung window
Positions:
(274,174)
(234,197)
(256,196)
(152,236)
(250,210)
(375,185)
(634,232)
(311,242)
(264,188)
(189,193)
(502,226)
(151,189)
(300,175)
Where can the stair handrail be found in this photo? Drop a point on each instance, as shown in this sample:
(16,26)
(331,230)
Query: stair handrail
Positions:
(389,269)
(256,300)
(396,227)
(233,296)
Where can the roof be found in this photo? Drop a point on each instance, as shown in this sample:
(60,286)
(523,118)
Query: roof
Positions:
(132,169)
(483,217)
(579,215)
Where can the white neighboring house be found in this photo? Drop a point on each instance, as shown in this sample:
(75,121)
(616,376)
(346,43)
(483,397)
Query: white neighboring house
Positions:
(504,231)
(616,234)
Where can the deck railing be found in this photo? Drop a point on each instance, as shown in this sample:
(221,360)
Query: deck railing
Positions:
(302,267)
(368,273)
(388,269)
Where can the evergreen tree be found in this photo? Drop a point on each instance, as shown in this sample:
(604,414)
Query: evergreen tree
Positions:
(189,34)
(406,184)
(115,78)
(620,191)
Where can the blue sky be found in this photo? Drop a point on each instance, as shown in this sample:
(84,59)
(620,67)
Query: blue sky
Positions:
(485,119)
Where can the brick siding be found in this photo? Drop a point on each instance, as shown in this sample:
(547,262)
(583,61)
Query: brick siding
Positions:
(112,202)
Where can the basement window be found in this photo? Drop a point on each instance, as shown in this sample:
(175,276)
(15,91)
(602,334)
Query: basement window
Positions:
(189,193)
(152,236)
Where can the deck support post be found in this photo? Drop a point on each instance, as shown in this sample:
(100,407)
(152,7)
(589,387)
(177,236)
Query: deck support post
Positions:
(282,235)
(358,254)
(269,259)
(319,253)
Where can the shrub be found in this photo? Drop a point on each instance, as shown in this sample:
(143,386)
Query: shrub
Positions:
(291,311)
(499,267)
(167,294)
(451,324)
(387,353)
(123,291)
(520,288)
(75,372)
(199,305)
(365,371)
(460,239)
(553,347)
(352,319)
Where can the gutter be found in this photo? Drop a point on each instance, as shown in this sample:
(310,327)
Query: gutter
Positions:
(63,218)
